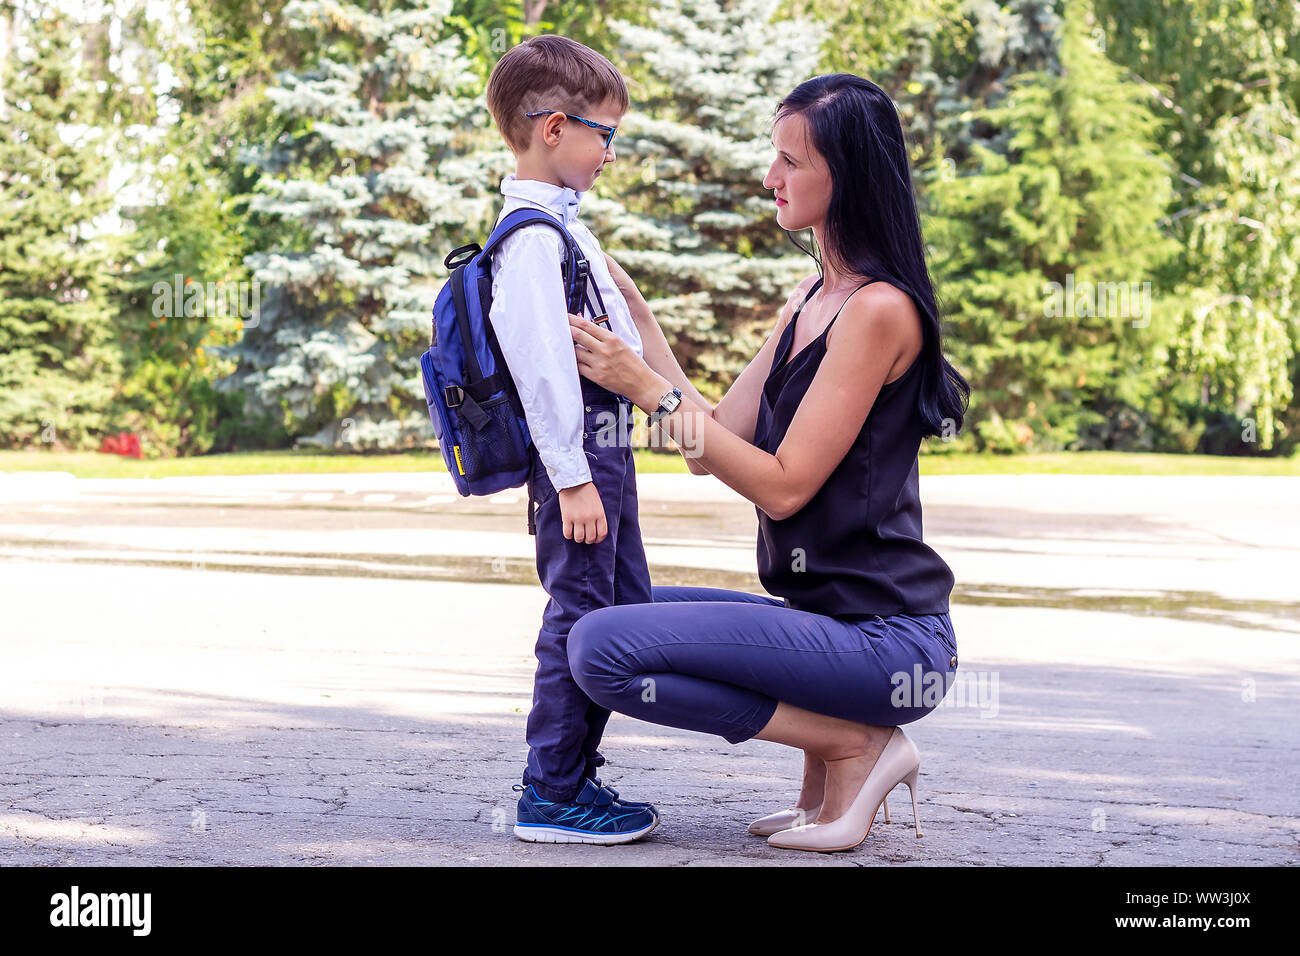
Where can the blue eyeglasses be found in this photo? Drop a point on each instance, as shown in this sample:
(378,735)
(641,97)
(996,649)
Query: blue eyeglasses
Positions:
(608,130)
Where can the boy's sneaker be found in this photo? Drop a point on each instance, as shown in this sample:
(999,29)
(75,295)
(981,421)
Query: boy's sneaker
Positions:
(590,817)
(630,804)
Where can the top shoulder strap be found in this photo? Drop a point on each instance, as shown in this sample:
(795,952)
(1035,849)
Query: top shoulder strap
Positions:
(526,217)
(811,292)
(844,303)
(808,295)
(575,268)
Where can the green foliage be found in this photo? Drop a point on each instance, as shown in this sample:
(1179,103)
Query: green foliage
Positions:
(1225,78)
(58,359)
(1051,242)
(487,29)
(1240,328)
(334,152)
(192,236)
(683,208)
(386,162)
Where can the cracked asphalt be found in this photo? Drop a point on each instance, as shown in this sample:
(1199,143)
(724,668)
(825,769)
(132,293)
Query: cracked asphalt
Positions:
(336,670)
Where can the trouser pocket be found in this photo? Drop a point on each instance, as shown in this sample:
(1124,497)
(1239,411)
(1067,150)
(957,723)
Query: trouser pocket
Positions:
(606,425)
(943,631)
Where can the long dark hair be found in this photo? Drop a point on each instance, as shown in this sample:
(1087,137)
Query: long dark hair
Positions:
(872,225)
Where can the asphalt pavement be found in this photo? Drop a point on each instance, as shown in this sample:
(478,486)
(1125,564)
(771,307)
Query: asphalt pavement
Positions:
(336,670)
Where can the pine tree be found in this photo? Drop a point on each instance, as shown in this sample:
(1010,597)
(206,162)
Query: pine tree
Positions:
(1047,222)
(59,362)
(381,175)
(686,212)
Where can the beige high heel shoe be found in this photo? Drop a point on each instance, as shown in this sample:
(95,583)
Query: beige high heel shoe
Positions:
(898,763)
(787,819)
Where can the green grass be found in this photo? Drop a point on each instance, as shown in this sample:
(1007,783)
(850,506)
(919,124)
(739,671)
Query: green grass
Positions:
(95,465)
(1105,463)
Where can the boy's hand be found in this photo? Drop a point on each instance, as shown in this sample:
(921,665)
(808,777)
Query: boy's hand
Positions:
(583,514)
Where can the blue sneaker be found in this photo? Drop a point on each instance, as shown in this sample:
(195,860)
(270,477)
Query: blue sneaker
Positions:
(630,804)
(590,817)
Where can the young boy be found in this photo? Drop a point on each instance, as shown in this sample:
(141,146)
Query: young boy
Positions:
(557,104)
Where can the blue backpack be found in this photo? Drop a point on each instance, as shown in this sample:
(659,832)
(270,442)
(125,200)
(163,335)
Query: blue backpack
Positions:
(472,399)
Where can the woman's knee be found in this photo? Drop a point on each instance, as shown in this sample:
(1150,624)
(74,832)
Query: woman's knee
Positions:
(591,657)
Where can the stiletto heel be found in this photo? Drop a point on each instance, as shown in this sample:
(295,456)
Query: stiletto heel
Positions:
(899,762)
(910,780)
(886,809)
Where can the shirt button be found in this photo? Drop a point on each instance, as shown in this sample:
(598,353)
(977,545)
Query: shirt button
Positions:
(953,662)
(588,408)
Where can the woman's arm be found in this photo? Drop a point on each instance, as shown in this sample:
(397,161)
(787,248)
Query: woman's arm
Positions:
(738,410)
(874,328)
(657,352)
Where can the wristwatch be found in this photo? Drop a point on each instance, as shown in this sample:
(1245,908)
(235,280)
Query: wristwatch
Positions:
(667,405)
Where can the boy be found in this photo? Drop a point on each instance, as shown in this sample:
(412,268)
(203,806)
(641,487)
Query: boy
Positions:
(557,104)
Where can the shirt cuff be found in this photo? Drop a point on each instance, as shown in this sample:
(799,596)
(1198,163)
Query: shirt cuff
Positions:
(569,470)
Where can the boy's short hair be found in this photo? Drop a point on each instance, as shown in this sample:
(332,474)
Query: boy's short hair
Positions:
(549,73)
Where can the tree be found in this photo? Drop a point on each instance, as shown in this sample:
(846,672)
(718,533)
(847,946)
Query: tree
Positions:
(1240,328)
(687,214)
(59,362)
(382,172)
(1048,225)
(1225,78)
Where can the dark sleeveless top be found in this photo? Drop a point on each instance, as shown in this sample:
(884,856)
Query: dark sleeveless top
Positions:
(855,549)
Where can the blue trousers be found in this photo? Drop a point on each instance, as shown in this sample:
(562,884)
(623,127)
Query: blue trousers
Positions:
(718,662)
(565,726)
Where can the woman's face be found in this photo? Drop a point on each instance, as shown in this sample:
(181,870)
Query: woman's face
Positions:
(798,177)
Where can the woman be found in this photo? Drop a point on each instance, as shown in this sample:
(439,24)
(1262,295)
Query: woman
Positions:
(821,432)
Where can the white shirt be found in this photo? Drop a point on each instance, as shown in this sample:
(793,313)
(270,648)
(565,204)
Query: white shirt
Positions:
(531,320)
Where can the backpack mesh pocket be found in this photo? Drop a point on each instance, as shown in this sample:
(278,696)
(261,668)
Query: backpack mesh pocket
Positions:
(498,447)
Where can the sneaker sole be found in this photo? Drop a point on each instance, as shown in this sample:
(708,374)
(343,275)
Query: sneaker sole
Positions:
(537,833)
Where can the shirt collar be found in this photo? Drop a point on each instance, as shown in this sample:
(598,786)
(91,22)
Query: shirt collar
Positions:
(560,200)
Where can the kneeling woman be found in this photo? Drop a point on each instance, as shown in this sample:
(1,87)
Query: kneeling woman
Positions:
(821,431)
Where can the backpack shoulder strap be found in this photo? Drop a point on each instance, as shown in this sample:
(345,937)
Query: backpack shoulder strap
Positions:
(575,268)
(526,216)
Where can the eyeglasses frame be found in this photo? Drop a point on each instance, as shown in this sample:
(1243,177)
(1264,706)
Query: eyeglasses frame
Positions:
(611,130)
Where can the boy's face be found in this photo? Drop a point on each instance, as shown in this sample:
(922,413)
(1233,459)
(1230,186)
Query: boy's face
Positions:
(573,152)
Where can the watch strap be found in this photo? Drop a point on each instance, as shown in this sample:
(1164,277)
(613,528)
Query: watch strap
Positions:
(660,412)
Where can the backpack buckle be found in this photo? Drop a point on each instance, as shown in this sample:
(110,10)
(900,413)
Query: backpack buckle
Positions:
(453,390)
(578,287)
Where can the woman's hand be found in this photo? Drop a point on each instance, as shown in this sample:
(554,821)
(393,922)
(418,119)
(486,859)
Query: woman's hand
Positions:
(607,360)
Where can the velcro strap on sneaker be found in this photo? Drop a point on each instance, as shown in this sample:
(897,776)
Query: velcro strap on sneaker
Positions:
(591,795)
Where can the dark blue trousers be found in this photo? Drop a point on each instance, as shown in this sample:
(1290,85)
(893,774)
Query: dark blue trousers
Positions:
(719,661)
(565,726)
